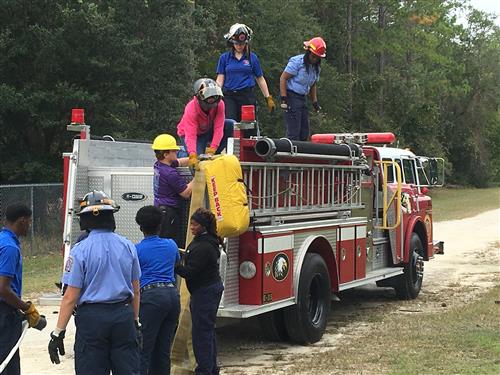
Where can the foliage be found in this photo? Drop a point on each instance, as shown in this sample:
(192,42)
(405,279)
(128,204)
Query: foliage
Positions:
(401,66)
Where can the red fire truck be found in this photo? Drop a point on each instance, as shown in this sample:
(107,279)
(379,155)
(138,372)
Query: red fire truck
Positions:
(335,213)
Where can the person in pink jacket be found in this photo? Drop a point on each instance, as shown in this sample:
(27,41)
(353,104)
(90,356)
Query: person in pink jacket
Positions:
(203,128)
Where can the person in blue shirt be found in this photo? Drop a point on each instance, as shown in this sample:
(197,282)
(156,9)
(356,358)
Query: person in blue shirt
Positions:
(160,301)
(237,72)
(12,308)
(299,79)
(102,273)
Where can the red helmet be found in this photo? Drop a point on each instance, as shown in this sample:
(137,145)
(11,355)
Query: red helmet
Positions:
(317,46)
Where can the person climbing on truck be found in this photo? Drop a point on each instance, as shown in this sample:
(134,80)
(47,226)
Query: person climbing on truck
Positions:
(203,128)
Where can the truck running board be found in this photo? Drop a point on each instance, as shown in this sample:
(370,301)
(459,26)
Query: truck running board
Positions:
(383,273)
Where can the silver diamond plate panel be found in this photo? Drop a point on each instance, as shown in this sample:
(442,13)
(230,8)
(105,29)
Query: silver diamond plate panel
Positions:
(120,154)
(125,218)
(81,188)
(96,183)
(231,282)
(298,241)
(380,256)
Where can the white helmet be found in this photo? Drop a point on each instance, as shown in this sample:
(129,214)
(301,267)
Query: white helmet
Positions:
(239,33)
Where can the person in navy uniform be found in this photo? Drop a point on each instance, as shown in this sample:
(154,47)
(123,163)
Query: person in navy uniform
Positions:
(160,301)
(237,72)
(17,223)
(298,80)
(102,273)
(200,267)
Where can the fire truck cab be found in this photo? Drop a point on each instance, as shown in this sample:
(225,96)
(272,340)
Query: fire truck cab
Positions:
(326,216)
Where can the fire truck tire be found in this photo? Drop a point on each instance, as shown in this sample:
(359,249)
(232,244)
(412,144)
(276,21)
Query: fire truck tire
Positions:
(409,284)
(272,325)
(306,321)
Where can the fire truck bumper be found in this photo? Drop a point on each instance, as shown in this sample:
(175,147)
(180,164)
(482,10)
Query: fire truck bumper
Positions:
(438,247)
(247,311)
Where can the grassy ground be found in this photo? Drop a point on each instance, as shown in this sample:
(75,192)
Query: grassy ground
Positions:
(463,340)
(40,273)
(452,204)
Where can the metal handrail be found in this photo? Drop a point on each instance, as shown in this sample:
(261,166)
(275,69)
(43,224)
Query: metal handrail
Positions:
(394,200)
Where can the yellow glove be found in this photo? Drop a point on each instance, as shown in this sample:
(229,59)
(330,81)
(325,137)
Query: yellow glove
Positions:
(193,161)
(210,150)
(270,104)
(32,315)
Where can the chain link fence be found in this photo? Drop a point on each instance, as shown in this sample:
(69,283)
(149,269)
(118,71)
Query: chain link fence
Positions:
(45,200)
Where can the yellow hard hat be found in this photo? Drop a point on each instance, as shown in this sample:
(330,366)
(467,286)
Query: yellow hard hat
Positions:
(165,142)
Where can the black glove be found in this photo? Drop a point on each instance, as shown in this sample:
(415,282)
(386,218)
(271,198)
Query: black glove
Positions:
(138,329)
(316,106)
(284,104)
(56,344)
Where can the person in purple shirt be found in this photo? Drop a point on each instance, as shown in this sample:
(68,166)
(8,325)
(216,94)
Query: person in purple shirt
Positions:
(169,187)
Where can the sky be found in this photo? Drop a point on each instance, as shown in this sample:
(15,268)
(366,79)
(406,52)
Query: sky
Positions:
(490,6)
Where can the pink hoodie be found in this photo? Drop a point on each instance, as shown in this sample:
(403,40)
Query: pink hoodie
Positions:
(195,121)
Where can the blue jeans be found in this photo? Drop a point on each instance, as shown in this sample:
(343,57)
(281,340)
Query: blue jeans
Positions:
(159,314)
(204,305)
(296,117)
(203,140)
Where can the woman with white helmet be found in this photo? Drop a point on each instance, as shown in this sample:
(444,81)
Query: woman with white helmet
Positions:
(237,72)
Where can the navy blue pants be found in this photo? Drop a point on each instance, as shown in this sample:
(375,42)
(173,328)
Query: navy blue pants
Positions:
(10,331)
(296,117)
(204,140)
(204,304)
(233,100)
(106,340)
(159,314)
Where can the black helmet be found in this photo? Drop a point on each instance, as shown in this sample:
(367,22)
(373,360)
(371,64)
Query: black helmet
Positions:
(95,202)
(239,33)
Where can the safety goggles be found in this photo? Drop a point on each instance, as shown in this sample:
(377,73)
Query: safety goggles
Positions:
(212,99)
(240,39)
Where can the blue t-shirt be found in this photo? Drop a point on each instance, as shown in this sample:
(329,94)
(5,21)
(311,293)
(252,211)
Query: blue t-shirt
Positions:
(302,79)
(103,266)
(239,74)
(157,257)
(11,261)
(167,184)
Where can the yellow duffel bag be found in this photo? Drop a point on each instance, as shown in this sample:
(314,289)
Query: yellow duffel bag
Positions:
(227,195)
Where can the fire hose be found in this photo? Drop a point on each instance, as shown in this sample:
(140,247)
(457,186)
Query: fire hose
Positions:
(15,347)
(42,323)
(182,357)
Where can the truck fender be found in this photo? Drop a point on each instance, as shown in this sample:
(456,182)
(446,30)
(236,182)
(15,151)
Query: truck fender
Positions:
(417,225)
(318,245)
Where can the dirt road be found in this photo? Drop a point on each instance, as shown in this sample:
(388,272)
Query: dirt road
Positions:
(472,259)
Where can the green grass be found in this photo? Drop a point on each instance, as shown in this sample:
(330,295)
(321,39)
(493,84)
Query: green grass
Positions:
(40,272)
(464,340)
(461,340)
(453,204)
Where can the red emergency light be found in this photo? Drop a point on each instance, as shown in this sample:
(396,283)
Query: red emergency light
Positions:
(247,113)
(366,138)
(78,116)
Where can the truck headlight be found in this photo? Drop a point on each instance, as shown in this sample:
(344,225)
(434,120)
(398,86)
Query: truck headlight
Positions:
(247,270)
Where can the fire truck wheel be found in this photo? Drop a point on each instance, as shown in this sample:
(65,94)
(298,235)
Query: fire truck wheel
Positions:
(272,325)
(409,284)
(306,321)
